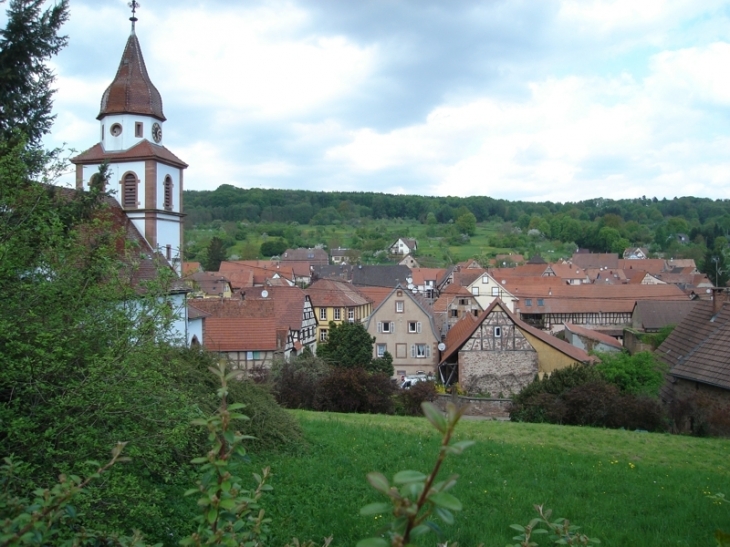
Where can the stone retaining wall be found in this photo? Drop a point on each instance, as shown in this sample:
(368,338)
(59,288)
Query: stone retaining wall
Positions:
(497,409)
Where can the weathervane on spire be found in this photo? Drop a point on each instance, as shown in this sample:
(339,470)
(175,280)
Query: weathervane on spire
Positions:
(134,5)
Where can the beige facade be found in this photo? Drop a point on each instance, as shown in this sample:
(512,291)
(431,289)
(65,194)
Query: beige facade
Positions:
(403,327)
(485,289)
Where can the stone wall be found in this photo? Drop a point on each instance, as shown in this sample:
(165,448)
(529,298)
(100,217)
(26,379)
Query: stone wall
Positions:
(633,344)
(497,372)
(497,409)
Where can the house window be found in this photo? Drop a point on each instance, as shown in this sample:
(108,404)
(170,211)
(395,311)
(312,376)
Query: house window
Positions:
(129,191)
(475,291)
(420,351)
(485,279)
(495,291)
(528,301)
(463,302)
(323,314)
(138,129)
(102,132)
(497,332)
(337,314)
(351,314)
(323,335)
(399,306)
(454,313)
(540,302)
(380,349)
(167,198)
(475,312)
(414,327)
(386,327)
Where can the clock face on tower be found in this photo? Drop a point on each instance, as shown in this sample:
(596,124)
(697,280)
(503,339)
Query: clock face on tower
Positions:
(156,132)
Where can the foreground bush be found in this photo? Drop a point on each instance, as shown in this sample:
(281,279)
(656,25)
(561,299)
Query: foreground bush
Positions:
(355,390)
(409,401)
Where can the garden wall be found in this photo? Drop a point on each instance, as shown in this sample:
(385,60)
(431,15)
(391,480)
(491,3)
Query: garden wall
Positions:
(497,409)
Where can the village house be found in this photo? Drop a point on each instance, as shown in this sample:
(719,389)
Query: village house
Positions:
(403,326)
(208,285)
(256,273)
(452,305)
(496,353)
(590,340)
(696,353)
(403,246)
(338,302)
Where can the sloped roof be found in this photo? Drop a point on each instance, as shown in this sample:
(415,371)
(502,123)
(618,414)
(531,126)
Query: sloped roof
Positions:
(417,299)
(191,267)
(596,260)
(314,256)
(327,293)
(131,91)
(698,348)
(655,314)
(242,273)
(375,294)
(143,150)
(651,265)
(210,283)
(462,331)
(593,335)
(421,275)
(239,325)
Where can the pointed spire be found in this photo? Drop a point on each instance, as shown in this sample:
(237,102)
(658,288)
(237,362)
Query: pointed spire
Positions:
(132,91)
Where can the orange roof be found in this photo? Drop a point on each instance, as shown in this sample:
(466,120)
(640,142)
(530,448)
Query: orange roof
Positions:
(242,274)
(375,294)
(651,265)
(421,275)
(190,267)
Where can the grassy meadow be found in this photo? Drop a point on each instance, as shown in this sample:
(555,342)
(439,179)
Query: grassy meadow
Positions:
(625,488)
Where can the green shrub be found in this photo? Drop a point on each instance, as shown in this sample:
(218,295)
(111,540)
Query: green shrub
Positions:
(355,390)
(410,401)
(640,373)
(295,383)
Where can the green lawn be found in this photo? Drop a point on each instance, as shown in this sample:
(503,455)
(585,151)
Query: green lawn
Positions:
(625,488)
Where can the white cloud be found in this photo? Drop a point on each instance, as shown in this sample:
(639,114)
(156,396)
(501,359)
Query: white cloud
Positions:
(259,62)
(574,138)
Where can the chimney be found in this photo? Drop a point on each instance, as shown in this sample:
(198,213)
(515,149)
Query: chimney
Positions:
(719,297)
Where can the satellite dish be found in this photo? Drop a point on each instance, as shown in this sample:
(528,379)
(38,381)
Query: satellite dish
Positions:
(442,346)
(264,293)
(410,285)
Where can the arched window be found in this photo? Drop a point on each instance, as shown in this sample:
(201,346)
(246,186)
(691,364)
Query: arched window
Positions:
(129,191)
(167,200)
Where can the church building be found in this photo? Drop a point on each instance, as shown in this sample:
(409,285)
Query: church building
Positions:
(147,178)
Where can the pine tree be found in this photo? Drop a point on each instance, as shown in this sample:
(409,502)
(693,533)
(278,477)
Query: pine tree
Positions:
(29,39)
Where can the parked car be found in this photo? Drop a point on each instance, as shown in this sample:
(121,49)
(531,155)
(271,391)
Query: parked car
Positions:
(409,381)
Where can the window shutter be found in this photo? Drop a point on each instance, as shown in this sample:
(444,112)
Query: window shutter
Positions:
(418,327)
(380,327)
(428,351)
(413,350)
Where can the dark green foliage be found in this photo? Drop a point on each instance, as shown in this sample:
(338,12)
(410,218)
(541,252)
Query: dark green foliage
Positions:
(580,395)
(295,383)
(215,255)
(355,390)
(640,373)
(273,247)
(409,400)
(30,38)
(383,364)
(701,415)
(348,345)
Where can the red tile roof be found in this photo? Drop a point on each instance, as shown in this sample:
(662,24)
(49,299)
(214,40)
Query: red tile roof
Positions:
(375,294)
(143,150)
(327,293)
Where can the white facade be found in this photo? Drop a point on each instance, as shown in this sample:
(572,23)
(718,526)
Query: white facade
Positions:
(132,129)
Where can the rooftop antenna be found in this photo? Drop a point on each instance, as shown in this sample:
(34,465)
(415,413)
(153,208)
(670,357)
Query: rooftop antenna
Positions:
(134,5)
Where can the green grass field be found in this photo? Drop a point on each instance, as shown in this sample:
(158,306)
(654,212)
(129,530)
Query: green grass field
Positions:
(625,488)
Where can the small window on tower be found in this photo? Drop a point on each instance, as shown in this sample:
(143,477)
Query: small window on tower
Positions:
(168,193)
(138,129)
(168,252)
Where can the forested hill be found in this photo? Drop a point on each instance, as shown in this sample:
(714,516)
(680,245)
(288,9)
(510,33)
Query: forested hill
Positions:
(228,203)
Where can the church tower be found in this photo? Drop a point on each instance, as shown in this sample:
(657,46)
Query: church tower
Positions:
(147,178)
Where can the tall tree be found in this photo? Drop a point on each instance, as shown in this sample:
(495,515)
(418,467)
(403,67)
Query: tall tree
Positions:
(29,39)
(216,255)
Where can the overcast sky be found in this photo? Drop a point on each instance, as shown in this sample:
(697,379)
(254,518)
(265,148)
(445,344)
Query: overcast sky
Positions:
(532,100)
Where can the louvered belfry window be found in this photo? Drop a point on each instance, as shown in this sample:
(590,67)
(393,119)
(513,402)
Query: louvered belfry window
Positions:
(168,193)
(130,191)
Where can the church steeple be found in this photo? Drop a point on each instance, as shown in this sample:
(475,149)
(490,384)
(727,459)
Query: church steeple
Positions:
(132,91)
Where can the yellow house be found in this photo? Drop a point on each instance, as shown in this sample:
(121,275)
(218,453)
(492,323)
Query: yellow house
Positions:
(336,301)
